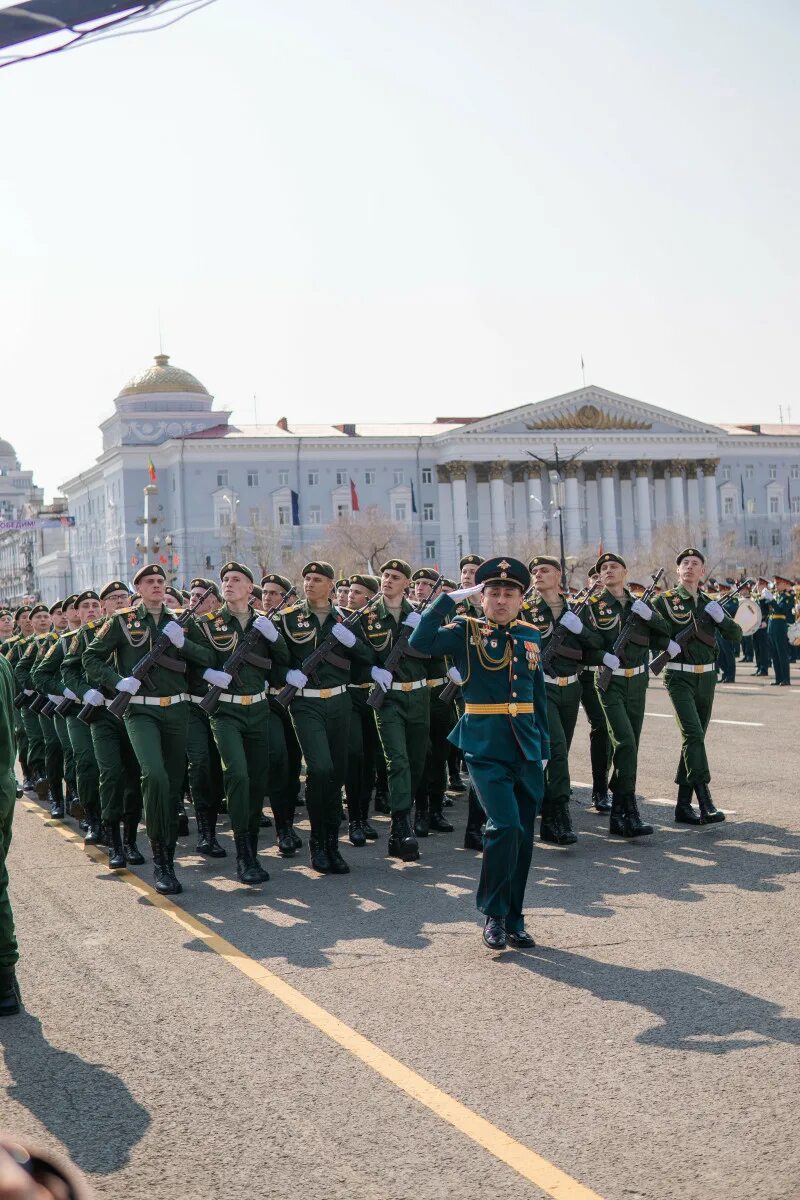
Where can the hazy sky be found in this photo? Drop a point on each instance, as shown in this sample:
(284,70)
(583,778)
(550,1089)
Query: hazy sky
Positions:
(369,209)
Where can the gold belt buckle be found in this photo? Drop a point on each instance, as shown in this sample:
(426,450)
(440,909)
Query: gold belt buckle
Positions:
(407,687)
(164,701)
(512,710)
(247,700)
(630,672)
(562,681)
(325,693)
(698,669)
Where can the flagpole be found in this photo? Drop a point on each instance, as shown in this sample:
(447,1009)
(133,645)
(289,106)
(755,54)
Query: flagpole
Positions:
(583,372)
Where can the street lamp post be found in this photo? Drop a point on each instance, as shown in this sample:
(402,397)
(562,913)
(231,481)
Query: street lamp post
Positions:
(555,469)
(143,545)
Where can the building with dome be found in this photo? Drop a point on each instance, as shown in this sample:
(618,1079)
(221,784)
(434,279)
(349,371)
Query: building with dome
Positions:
(626,468)
(33,543)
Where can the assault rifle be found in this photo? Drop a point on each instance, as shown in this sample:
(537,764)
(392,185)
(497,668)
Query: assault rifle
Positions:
(400,649)
(322,652)
(154,657)
(626,634)
(560,632)
(702,627)
(244,653)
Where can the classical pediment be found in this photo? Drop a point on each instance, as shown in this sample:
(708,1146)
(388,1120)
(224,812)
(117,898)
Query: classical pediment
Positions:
(589,409)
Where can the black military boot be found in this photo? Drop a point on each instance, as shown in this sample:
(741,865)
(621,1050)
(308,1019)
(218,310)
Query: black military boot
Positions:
(93,835)
(254,847)
(709,813)
(10,999)
(165,882)
(633,825)
(370,832)
(473,837)
(338,865)
(246,868)
(116,853)
(421,817)
(455,783)
(284,841)
(402,843)
(169,852)
(438,821)
(601,801)
(382,801)
(265,820)
(183,820)
(293,834)
(566,834)
(549,828)
(356,833)
(684,813)
(130,829)
(318,851)
(616,821)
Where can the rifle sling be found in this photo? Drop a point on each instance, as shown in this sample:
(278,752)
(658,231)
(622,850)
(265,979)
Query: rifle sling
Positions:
(702,635)
(255,660)
(171,664)
(639,639)
(337,661)
(564,651)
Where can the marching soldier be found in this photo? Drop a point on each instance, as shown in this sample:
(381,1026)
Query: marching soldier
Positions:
(9,988)
(76,687)
(623,702)
(341,591)
(364,749)
(204,766)
(599,743)
(691,679)
(544,610)
(10,651)
(6,626)
(780,617)
(503,732)
(157,721)
(25,660)
(429,799)
(46,679)
(285,755)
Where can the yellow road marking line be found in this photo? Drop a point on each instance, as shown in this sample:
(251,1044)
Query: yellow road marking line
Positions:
(531,1166)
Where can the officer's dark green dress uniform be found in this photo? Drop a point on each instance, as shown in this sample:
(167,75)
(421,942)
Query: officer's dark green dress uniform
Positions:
(27,651)
(9,954)
(240,724)
(563,687)
(691,680)
(623,703)
(780,615)
(364,748)
(87,770)
(10,651)
(321,717)
(46,678)
(204,765)
(503,733)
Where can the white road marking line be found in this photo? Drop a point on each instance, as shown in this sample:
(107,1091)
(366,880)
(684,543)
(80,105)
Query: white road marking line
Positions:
(714,720)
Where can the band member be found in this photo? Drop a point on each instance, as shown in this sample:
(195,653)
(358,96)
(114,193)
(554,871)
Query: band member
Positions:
(780,617)
(503,731)
(691,677)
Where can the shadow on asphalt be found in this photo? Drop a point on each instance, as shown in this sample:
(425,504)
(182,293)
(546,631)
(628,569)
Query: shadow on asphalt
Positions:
(85,1106)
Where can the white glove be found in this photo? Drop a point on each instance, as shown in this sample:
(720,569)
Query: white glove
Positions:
(462,593)
(175,634)
(296,678)
(69,695)
(571,621)
(344,635)
(673,649)
(766,594)
(642,610)
(28,691)
(382,677)
(413,619)
(715,611)
(54,699)
(454,674)
(220,679)
(266,628)
(545,761)
(129,685)
(92,697)
(611,660)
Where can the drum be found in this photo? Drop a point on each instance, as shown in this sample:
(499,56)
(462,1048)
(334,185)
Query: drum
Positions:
(748,616)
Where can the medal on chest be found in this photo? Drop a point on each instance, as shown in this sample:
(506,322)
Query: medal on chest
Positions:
(532,654)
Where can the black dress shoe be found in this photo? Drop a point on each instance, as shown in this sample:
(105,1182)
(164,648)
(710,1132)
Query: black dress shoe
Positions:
(494,933)
(473,838)
(10,999)
(357,834)
(521,940)
(421,819)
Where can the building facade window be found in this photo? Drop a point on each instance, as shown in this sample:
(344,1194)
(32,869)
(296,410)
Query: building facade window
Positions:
(369,477)
(427,512)
(430,551)
(399,475)
(222,478)
(726,473)
(313,478)
(776,537)
(315,515)
(252,478)
(427,475)
(752,538)
(255,516)
(796,504)
(773,470)
(224,518)
(283,478)
(773,506)
(342,511)
(341,478)
(794,471)
(751,505)
(727,506)
(400,511)
(749,471)
(284,514)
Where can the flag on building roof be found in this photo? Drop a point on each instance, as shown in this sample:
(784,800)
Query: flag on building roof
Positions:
(151,470)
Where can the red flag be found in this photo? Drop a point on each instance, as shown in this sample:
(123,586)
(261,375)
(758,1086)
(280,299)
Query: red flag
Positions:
(162,558)
(354,497)
(151,470)
(600,547)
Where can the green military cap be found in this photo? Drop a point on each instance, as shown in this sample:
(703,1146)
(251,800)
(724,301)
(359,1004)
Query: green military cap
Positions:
(397,564)
(113,585)
(40,608)
(449,583)
(235,566)
(279,580)
(89,594)
(344,582)
(176,593)
(690,552)
(504,570)
(56,608)
(366,581)
(544,560)
(70,602)
(319,568)
(21,611)
(609,556)
(257,591)
(425,573)
(204,584)
(150,569)
(470,560)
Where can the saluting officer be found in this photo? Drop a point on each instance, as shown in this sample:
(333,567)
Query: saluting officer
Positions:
(691,678)
(503,731)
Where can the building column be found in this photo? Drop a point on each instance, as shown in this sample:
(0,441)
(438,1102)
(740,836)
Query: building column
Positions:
(608,506)
(535,507)
(710,505)
(626,507)
(644,525)
(448,556)
(458,487)
(676,492)
(693,501)
(592,505)
(497,501)
(660,493)
(572,510)
(484,546)
(518,481)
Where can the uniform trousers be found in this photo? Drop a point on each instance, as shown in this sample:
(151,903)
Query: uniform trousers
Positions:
(727,660)
(692,698)
(363,751)
(562,713)
(87,775)
(285,762)
(747,649)
(119,776)
(241,732)
(510,793)
(599,743)
(8,942)
(66,749)
(36,748)
(323,731)
(403,724)
(158,738)
(204,766)
(433,784)
(53,757)
(623,705)
(761,649)
(778,644)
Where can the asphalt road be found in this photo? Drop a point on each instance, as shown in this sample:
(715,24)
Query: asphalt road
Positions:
(648,1047)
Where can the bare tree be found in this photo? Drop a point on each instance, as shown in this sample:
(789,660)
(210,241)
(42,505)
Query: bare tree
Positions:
(363,541)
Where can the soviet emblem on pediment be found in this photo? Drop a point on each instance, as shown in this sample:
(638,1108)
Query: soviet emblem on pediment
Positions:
(588,416)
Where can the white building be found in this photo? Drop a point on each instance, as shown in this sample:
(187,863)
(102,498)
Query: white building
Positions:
(34,545)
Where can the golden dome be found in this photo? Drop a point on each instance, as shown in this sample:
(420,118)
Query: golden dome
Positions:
(162,378)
